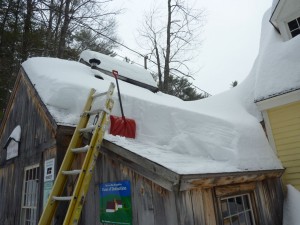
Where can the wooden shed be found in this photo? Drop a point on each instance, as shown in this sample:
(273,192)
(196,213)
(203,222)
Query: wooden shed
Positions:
(157,194)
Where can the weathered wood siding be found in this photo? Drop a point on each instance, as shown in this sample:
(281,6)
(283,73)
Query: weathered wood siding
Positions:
(285,125)
(154,205)
(151,204)
(269,202)
(38,134)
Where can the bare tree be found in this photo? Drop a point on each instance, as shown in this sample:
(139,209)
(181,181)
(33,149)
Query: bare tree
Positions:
(65,19)
(170,38)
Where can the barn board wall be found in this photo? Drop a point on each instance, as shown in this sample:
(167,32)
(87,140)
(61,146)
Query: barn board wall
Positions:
(151,204)
(154,205)
(269,202)
(38,134)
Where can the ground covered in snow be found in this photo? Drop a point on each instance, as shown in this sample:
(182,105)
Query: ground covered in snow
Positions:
(291,207)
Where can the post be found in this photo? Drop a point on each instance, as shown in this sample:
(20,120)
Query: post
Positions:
(145,61)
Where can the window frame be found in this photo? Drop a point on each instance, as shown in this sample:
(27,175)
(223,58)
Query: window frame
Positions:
(297,19)
(231,215)
(30,204)
(232,191)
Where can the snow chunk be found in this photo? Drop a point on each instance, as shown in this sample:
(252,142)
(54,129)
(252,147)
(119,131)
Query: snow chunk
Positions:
(16,134)
(125,69)
(291,206)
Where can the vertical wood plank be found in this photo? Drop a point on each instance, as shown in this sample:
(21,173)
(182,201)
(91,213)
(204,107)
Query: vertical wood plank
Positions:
(209,210)
(184,207)
(198,206)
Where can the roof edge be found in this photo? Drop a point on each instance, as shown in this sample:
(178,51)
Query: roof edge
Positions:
(271,18)
(226,178)
(173,181)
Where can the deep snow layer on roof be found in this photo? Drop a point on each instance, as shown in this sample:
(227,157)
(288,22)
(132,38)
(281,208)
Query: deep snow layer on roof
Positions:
(214,135)
(278,68)
(218,134)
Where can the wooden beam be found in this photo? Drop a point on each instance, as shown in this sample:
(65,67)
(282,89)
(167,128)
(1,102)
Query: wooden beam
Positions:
(147,168)
(211,180)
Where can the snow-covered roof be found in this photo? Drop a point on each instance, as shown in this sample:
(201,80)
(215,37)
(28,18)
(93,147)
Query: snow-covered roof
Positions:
(213,135)
(277,68)
(126,70)
(218,134)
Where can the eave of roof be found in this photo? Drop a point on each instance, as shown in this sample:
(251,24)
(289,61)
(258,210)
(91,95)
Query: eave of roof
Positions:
(271,18)
(180,182)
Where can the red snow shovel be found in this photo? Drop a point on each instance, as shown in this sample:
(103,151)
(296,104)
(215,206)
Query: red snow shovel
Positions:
(120,125)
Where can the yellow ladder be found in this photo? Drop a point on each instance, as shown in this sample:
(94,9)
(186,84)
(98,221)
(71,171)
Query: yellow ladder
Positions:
(91,151)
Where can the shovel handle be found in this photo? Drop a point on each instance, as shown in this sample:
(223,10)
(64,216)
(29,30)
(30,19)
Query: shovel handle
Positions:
(115,73)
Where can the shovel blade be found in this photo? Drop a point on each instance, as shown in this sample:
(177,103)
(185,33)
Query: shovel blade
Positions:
(122,126)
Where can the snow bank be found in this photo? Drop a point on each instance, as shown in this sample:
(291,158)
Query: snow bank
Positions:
(291,207)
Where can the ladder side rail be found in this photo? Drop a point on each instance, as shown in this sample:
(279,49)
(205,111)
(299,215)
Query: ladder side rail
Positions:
(83,182)
(61,179)
(87,177)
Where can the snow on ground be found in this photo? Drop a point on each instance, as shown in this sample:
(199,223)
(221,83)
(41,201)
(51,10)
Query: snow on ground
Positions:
(218,134)
(291,207)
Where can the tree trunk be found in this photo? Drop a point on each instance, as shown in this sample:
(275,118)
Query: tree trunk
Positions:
(168,49)
(56,32)
(64,30)
(49,30)
(2,24)
(160,83)
(27,30)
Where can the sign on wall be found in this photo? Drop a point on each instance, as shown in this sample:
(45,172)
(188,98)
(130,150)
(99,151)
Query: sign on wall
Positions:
(115,203)
(48,179)
(46,193)
(12,149)
(49,170)
(12,144)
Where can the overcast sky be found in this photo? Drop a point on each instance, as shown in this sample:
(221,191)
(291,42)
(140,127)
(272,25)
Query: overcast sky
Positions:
(230,38)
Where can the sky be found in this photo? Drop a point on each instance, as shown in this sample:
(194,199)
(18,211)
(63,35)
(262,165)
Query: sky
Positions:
(230,38)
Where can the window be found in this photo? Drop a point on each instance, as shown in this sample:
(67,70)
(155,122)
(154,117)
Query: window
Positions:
(30,195)
(294,27)
(237,210)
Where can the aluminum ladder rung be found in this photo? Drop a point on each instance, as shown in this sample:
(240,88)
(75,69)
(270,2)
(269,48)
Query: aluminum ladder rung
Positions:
(62,198)
(82,149)
(99,94)
(71,172)
(96,111)
(87,129)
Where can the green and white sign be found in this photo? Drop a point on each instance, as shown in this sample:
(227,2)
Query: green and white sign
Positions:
(115,203)
(48,179)
(47,190)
